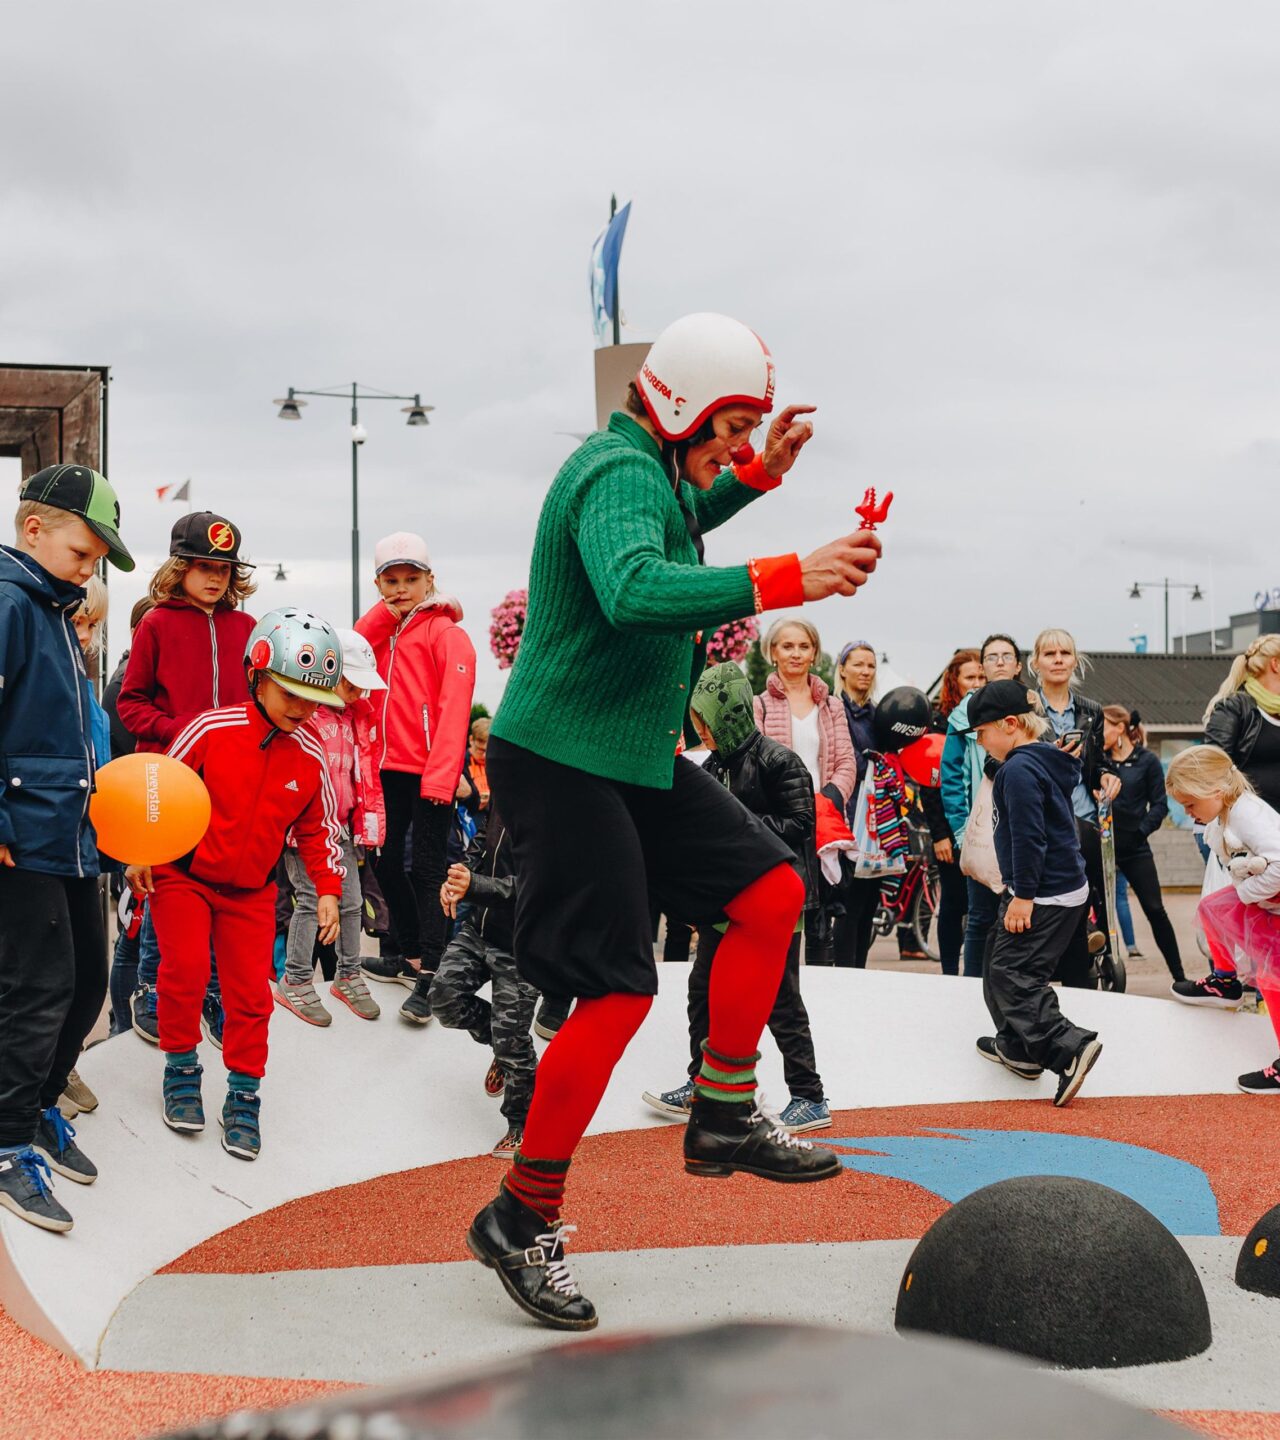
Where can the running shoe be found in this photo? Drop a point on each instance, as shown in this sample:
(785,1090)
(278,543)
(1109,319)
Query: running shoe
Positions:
(801,1115)
(672,1102)
(989,1049)
(24,1189)
(1072,1077)
(142,1010)
(183,1106)
(1262,1082)
(56,1141)
(416,1010)
(389,969)
(1223,991)
(354,994)
(495,1079)
(303,1002)
(241,1134)
(212,1019)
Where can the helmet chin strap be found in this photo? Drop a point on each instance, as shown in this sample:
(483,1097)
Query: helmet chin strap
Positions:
(272,730)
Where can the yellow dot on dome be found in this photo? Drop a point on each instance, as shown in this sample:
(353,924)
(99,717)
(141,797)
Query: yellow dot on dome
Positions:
(1260,1249)
(910,1277)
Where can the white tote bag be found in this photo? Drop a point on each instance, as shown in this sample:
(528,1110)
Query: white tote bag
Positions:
(978,852)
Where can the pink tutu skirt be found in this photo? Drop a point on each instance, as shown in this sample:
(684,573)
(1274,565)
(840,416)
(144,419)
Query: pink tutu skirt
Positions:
(1248,933)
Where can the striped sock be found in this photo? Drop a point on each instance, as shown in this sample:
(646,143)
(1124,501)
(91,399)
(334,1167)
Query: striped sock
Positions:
(539,1184)
(727,1078)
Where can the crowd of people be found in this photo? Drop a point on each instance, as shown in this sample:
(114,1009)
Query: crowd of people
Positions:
(354,795)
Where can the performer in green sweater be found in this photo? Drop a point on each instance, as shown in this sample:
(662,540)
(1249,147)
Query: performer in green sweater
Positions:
(601,810)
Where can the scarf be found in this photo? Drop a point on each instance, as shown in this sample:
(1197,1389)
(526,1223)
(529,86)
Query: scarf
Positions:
(1266,700)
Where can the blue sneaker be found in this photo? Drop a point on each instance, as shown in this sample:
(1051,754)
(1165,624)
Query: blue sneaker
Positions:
(183,1106)
(212,1017)
(142,1008)
(24,1189)
(802,1115)
(56,1142)
(675,1102)
(241,1135)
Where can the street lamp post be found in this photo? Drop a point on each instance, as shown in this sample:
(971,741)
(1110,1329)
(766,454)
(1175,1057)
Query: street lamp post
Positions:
(291,409)
(1136,594)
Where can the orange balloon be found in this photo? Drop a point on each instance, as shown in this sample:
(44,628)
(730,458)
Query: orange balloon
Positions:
(149,809)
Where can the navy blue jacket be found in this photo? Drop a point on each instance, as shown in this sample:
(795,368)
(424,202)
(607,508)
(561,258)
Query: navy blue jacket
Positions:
(1037,844)
(46,744)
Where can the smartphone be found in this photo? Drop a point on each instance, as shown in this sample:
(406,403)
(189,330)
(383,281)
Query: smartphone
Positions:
(1071,739)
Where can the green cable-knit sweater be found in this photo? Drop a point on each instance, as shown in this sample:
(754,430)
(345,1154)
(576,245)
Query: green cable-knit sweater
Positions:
(616,596)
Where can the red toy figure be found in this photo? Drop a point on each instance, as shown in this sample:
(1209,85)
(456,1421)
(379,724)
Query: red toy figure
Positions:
(873,514)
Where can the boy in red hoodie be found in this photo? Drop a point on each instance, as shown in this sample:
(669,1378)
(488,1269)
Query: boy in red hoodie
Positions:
(429,666)
(266,777)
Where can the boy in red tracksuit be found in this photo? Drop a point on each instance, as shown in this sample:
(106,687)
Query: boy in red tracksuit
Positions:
(266,776)
(429,666)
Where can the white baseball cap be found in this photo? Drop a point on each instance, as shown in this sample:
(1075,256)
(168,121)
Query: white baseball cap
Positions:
(402,548)
(358,664)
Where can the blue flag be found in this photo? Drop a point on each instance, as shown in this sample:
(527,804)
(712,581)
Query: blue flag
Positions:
(605,254)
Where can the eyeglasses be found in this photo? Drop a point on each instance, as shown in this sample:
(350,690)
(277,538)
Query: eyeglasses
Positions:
(999,657)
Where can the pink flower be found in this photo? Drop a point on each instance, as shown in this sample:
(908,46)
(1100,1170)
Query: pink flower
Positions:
(508,626)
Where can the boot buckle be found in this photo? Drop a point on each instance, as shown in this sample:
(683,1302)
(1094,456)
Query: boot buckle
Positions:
(535,1255)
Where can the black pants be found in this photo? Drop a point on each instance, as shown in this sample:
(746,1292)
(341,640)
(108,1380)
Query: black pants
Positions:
(53,980)
(851,942)
(953,903)
(1076,969)
(1022,1003)
(414,899)
(788,1020)
(1138,866)
(675,948)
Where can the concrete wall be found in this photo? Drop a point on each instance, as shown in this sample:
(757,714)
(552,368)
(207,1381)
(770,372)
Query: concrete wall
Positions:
(1177,858)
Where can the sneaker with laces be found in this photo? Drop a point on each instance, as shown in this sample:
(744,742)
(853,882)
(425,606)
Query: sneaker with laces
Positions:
(142,1010)
(416,1010)
(354,994)
(722,1139)
(527,1253)
(1072,1077)
(1223,991)
(989,1049)
(801,1115)
(671,1102)
(389,969)
(24,1190)
(551,1015)
(212,1019)
(302,1001)
(241,1131)
(183,1104)
(506,1148)
(1261,1082)
(56,1142)
(495,1082)
(79,1094)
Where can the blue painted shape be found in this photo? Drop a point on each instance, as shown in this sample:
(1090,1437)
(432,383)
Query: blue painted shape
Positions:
(955,1163)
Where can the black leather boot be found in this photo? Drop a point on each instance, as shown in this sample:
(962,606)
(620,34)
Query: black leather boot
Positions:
(528,1254)
(721,1139)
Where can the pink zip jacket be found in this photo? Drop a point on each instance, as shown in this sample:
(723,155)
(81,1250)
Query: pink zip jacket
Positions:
(351,744)
(837,764)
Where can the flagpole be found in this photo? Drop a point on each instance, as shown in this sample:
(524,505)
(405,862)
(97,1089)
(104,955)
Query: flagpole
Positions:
(617,302)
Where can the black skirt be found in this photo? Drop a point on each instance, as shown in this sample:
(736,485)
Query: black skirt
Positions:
(590,853)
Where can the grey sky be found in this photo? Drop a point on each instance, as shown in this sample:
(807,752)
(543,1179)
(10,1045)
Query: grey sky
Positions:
(1022,257)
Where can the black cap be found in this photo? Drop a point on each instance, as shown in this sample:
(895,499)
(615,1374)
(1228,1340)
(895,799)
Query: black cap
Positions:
(83,492)
(997,700)
(206,536)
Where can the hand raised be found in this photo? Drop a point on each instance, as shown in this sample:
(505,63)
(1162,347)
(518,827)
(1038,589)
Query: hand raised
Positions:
(787,436)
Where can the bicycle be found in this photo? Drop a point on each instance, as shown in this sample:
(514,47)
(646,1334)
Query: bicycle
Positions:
(912,899)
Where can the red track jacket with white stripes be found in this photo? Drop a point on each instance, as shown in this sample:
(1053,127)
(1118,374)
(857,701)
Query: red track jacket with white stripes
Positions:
(263,783)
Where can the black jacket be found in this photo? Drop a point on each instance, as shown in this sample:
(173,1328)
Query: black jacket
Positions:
(492,892)
(774,784)
(122,740)
(1234,726)
(935,817)
(1142,803)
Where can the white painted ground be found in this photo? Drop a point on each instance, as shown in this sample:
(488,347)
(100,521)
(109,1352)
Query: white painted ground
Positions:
(359,1100)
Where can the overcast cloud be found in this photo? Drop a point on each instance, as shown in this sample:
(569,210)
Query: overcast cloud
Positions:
(1022,257)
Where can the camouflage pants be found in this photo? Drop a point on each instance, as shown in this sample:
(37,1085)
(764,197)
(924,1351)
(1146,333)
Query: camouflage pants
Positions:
(467,964)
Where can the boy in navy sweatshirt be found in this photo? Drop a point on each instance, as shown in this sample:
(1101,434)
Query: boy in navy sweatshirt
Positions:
(1046,896)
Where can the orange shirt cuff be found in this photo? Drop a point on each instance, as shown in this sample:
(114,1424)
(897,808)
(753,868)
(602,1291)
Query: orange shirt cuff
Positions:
(755,475)
(777,582)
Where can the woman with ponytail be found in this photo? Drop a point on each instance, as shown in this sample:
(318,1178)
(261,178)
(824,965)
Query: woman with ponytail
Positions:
(1138,812)
(1243,718)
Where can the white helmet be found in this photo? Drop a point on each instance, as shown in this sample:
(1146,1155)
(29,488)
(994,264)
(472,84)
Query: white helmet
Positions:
(700,364)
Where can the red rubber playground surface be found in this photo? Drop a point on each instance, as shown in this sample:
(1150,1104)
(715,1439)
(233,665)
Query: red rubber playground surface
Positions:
(628,1191)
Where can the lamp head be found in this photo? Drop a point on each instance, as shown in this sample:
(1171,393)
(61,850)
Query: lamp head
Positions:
(290,408)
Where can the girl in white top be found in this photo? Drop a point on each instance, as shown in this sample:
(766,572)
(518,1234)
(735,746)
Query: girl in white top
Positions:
(1241,922)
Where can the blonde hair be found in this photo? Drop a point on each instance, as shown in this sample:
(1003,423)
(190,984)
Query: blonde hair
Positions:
(480,727)
(1066,641)
(776,629)
(53,516)
(94,609)
(1250,665)
(1204,770)
(166,584)
(1033,724)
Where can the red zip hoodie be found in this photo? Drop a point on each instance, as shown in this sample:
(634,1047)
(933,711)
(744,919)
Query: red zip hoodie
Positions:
(429,665)
(263,784)
(182,662)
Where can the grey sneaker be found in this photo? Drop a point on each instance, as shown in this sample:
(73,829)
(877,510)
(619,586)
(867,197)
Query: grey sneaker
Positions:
(56,1142)
(79,1094)
(675,1102)
(801,1115)
(24,1189)
(303,1001)
(354,994)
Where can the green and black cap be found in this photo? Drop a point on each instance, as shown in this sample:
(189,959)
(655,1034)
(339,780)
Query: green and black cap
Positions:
(87,494)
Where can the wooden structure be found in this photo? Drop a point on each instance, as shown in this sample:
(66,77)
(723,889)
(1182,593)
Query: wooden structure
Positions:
(52,413)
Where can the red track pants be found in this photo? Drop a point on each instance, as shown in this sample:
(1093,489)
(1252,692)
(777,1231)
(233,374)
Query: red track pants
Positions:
(241,924)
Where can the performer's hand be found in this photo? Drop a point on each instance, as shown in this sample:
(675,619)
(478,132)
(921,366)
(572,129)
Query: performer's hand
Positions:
(327,919)
(840,567)
(138,878)
(1108,787)
(786,438)
(6,857)
(1017,917)
(943,851)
